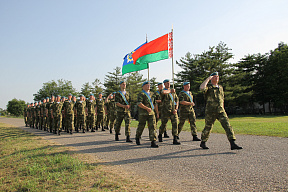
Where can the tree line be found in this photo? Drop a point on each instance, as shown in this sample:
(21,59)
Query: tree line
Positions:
(254,81)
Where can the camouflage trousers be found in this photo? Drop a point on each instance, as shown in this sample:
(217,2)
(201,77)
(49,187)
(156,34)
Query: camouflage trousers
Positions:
(91,119)
(157,119)
(81,121)
(51,123)
(106,120)
(33,121)
(57,122)
(44,120)
(151,126)
(100,119)
(37,123)
(69,122)
(209,122)
(25,120)
(119,119)
(112,120)
(191,119)
(174,121)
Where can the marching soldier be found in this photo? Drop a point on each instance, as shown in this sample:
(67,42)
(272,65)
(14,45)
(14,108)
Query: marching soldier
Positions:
(25,114)
(147,104)
(43,115)
(122,100)
(49,107)
(33,113)
(91,109)
(100,111)
(169,101)
(69,114)
(159,103)
(187,111)
(111,110)
(214,96)
(80,114)
(57,115)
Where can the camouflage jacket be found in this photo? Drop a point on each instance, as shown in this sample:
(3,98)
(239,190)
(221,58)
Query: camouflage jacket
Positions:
(184,97)
(111,106)
(43,109)
(25,111)
(119,99)
(100,105)
(80,107)
(157,96)
(38,110)
(57,108)
(49,107)
(91,106)
(167,104)
(68,107)
(214,97)
(143,98)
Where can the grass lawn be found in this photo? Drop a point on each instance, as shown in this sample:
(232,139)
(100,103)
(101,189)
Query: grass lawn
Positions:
(253,125)
(29,163)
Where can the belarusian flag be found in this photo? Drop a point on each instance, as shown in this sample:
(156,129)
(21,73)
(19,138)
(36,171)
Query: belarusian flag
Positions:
(158,49)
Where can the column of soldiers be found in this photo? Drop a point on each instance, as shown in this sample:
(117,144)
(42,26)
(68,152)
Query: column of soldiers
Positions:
(68,114)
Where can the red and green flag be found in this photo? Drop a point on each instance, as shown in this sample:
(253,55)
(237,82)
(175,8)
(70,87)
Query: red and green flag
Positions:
(156,50)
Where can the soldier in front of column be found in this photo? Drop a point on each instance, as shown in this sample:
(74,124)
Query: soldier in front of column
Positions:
(169,101)
(100,111)
(111,109)
(147,104)
(122,100)
(159,103)
(91,110)
(81,114)
(43,115)
(69,114)
(29,115)
(187,111)
(57,115)
(25,114)
(214,96)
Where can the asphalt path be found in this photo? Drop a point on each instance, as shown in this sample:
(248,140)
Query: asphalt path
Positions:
(261,166)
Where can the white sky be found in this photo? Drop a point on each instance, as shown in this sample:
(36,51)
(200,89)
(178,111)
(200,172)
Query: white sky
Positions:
(83,40)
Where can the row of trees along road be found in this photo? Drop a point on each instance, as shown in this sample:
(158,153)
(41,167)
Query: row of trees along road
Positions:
(257,78)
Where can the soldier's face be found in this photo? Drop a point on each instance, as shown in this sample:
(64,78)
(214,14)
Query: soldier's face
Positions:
(69,97)
(123,85)
(167,84)
(160,87)
(146,87)
(215,80)
(100,96)
(91,97)
(186,87)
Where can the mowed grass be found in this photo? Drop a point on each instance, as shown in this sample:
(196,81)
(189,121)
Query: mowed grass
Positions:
(29,163)
(254,125)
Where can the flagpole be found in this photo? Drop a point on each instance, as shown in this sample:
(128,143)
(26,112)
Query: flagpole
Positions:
(172,57)
(148,63)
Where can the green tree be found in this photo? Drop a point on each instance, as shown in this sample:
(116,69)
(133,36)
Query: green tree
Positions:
(16,107)
(59,87)
(96,86)
(112,80)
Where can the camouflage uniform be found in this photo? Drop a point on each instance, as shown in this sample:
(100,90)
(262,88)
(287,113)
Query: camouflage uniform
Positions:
(50,121)
(111,108)
(187,112)
(38,113)
(145,116)
(81,115)
(157,96)
(69,114)
(26,116)
(167,112)
(215,110)
(43,116)
(100,112)
(122,113)
(57,116)
(91,114)
(33,116)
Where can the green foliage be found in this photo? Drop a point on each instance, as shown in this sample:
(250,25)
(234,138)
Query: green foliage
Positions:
(86,89)
(112,80)
(59,87)
(16,107)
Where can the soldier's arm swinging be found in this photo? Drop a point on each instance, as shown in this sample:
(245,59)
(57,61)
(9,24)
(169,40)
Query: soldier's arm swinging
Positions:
(204,84)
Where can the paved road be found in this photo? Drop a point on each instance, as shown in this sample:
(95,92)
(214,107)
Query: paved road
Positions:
(261,166)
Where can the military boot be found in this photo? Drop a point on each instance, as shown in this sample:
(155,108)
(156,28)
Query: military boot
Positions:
(111,131)
(137,141)
(195,138)
(166,135)
(234,145)
(116,137)
(160,138)
(175,141)
(128,139)
(59,132)
(203,145)
(103,129)
(71,132)
(83,131)
(154,145)
(92,130)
